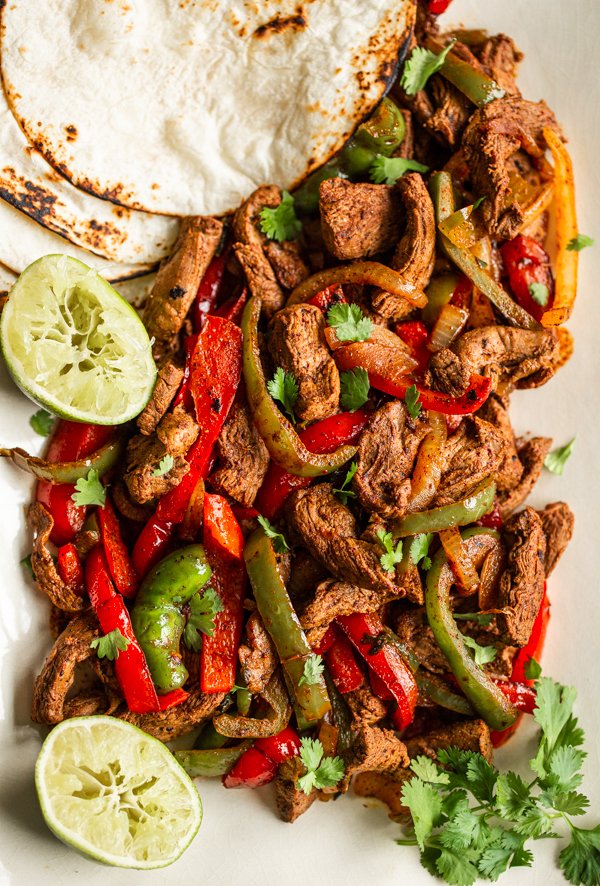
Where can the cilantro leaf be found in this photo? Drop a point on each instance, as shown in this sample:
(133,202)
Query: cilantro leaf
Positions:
(329,772)
(478,202)
(419,550)
(554,705)
(481,618)
(203,608)
(536,822)
(392,555)
(426,770)
(349,322)
(425,804)
(482,777)
(89,490)
(280,545)
(110,645)
(322,772)
(580,860)
(539,293)
(564,768)
(42,422)
(284,387)
(457,866)
(556,460)
(508,852)
(581,241)
(387,170)
(533,669)
(164,466)
(420,66)
(412,401)
(281,223)
(354,388)
(512,795)
(313,669)
(466,830)
(344,493)
(481,654)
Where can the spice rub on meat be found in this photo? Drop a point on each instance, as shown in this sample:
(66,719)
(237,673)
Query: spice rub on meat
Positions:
(242,456)
(358,219)
(522,583)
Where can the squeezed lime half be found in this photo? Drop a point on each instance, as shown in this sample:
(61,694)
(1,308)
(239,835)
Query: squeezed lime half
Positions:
(74,346)
(115,793)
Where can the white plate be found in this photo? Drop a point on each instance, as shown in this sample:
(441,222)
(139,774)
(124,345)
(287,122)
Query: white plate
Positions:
(241,840)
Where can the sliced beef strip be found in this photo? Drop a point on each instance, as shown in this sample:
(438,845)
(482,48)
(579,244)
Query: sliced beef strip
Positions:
(178,279)
(414,255)
(177,721)
(522,584)
(42,563)
(306,573)
(332,599)
(386,787)
(170,376)
(366,707)
(297,344)
(510,470)
(511,357)
(531,455)
(451,114)
(494,133)
(472,454)
(413,629)
(126,507)
(468,735)
(243,458)
(291,800)
(500,59)
(358,219)
(258,656)
(287,262)
(174,436)
(373,750)
(328,530)
(558,522)
(387,450)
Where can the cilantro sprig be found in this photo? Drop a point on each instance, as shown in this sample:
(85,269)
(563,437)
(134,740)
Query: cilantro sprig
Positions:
(470,821)
(539,293)
(392,554)
(581,241)
(42,422)
(164,466)
(344,492)
(387,170)
(89,490)
(280,545)
(281,222)
(201,619)
(420,66)
(321,771)
(556,460)
(313,669)
(349,322)
(412,402)
(284,387)
(481,654)
(419,550)
(354,388)
(110,645)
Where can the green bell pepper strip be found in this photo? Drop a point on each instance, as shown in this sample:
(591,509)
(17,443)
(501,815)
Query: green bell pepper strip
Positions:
(439,292)
(211,763)
(487,699)
(476,85)
(340,715)
(442,194)
(284,445)
(209,738)
(461,513)
(68,471)
(281,621)
(236,726)
(243,700)
(157,615)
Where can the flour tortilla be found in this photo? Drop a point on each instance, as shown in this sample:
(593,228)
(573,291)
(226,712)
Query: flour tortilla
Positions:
(7,278)
(186,107)
(22,241)
(34,187)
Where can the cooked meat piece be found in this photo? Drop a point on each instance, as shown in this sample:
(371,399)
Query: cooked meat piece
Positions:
(250,248)
(243,458)
(297,344)
(387,450)
(178,279)
(373,750)
(287,262)
(358,219)
(70,649)
(500,58)
(520,358)
(413,629)
(522,583)
(468,735)
(125,506)
(384,786)
(258,656)
(531,455)
(306,573)
(558,522)
(42,563)
(177,721)
(328,530)
(170,376)
(415,253)
(406,148)
(510,470)
(175,434)
(333,598)
(451,114)
(494,133)
(290,799)
(471,455)
(58,620)
(367,708)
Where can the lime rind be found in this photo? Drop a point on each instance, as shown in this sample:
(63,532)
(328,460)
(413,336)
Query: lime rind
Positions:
(116,794)
(74,346)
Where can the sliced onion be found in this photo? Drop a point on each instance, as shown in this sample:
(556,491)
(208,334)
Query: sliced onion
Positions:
(461,563)
(68,471)
(429,465)
(536,205)
(379,334)
(464,227)
(369,273)
(448,326)
(191,524)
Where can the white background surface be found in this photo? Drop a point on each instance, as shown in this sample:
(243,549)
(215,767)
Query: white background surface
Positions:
(241,840)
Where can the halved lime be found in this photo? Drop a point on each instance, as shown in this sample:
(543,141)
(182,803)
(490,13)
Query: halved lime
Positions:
(116,794)
(73,345)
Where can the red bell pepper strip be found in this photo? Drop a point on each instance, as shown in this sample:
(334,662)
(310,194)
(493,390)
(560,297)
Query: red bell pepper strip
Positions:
(379,687)
(152,545)
(522,696)
(172,699)
(385,660)
(332,295)
(233,308)
(342,664)
(117,556)
(322,437)
(527,263)
(184,396)
(493,520)
(281,746)
(130,665)
(209,290)
(68,565)
(415,334)
(327,640)
(252,770)
(70,441)
(436,7)
(224,546)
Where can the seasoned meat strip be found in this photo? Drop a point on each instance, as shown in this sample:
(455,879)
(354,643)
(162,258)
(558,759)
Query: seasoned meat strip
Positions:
(522,583)
(291,800)
(373,750)
(243,458)
(297,344)
(177,721)
(333,598)
(531,456)
(468,735)
(558,522)
(500,59)
(174,436)
(367,708)
(358,219)
(472,454)
(258,656)
(509,472)
(178,279)
(287,262)
(42,563)
(170,376)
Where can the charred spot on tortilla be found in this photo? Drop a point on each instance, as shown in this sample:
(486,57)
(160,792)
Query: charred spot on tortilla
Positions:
(71,132)
(280,24)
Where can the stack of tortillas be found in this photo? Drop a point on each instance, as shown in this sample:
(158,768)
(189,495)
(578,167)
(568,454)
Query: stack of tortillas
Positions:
(118,117)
